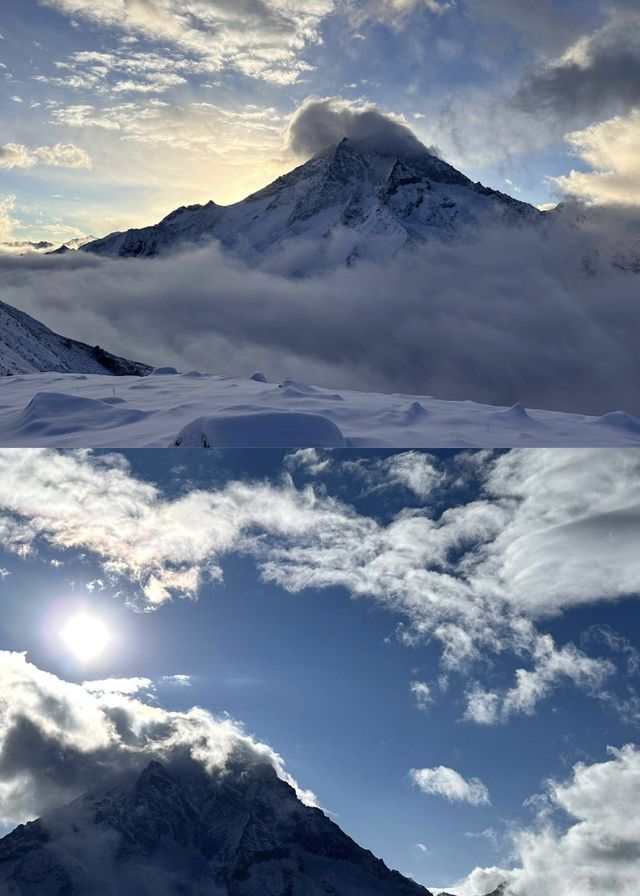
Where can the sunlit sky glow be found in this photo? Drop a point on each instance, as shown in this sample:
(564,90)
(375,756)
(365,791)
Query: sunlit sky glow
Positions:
(425,639)
(113,113)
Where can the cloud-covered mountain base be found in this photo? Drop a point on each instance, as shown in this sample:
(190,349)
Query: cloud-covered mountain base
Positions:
(532,315)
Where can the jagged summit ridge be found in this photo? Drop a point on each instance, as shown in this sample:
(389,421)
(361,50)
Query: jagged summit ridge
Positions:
(175,830)
(375,200)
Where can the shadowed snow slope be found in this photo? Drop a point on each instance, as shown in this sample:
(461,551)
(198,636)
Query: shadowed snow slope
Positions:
(379,201)
(193,409)
(176,831)
(27,346)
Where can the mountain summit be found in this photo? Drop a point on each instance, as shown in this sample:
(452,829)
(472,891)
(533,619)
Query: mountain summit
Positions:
(366,200)
(174,830)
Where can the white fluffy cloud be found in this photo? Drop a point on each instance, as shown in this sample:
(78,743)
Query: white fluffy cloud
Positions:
(550,530)
(449,784)
(597,852)
(57,738)
(262,40)
(61,155)
(612,149)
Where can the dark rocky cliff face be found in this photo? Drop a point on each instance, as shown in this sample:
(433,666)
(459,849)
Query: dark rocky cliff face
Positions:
(177,831)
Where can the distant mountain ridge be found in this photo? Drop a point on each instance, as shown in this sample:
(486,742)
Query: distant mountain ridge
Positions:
(174,830)
(27,346)
(373,201)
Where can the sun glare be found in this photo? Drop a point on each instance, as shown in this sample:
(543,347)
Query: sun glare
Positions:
(85,636)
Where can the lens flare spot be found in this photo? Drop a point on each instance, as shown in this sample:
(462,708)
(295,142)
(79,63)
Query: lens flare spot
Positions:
(85,636)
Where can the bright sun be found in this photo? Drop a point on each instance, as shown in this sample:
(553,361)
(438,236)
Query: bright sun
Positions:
(85,636)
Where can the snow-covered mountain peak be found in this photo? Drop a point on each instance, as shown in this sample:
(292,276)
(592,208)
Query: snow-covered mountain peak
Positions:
(375,198)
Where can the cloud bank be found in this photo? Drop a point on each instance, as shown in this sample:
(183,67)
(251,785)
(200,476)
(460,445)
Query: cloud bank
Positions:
(508,316)
(598,74)
(597,852)
(610,148)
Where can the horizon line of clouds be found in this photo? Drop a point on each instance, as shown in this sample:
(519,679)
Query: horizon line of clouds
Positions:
(478,577)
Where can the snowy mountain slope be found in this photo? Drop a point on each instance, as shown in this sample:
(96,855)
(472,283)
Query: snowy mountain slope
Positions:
(376,201)
(27,346)
(174,830)
(202,410)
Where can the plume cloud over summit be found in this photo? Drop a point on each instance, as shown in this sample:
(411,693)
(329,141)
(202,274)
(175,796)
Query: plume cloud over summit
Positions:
(324,121)
(57,739)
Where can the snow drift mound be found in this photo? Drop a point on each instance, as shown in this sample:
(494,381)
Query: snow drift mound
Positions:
(269,429)
(55,413)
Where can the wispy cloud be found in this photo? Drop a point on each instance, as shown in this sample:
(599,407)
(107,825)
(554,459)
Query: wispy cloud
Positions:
(60,155)
(264,41)
(478,577)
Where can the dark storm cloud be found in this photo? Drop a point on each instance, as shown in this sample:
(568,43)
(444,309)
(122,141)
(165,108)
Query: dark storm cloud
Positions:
(323,122)
(599,76)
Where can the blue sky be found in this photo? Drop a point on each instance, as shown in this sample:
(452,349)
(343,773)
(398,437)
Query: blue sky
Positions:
(276,639)
(115,113)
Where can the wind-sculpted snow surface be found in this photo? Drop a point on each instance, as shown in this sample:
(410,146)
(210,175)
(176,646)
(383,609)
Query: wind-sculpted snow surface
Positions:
(178,831)
(168,409)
